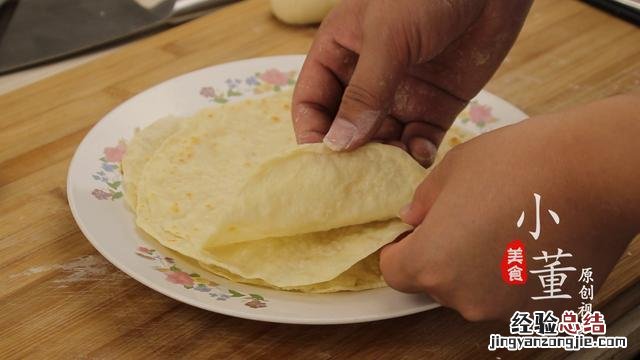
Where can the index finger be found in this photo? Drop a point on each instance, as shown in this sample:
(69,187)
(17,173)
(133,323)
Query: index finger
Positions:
(319,88)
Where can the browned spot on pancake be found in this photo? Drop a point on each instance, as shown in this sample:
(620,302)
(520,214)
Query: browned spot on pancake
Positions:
(175,208)
(185,156)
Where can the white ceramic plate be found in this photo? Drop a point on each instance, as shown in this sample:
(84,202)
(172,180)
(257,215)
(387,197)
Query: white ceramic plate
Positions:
(95,197)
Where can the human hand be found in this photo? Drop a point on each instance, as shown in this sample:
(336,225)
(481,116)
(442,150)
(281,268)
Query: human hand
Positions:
(400,71)
(584,163)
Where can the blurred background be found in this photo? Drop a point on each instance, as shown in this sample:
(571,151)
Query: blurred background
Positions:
(39,38)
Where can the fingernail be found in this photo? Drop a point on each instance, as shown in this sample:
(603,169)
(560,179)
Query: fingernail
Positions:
(308,137)
(340,134)
(423,150)
(404,211)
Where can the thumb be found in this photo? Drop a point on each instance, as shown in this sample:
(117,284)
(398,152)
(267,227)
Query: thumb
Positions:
(367,98)
(400,264)
(401,261)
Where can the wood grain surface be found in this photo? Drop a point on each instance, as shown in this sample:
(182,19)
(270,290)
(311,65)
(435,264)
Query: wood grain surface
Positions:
(60,299)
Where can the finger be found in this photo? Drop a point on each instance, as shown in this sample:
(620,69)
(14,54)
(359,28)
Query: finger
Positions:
(368,96)
(417,100)
(319,88)
(310,123)
(422,140)
(397,260)
(397,267)
(423,198)
(390,129)
(423,150)
(315,100)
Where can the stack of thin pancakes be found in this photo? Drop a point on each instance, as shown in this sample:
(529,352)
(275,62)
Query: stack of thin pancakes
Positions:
(230,188)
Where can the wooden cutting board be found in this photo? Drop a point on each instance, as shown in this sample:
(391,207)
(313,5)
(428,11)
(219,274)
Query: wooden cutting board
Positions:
(59,297)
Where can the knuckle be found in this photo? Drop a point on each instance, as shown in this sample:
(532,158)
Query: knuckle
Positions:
(361,97)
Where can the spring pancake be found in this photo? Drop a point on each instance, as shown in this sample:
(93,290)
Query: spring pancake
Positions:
(308,219)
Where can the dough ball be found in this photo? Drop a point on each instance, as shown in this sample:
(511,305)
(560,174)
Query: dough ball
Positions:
(300,12)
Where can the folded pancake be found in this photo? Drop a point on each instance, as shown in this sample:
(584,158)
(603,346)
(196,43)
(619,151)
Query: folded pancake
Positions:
(305,259)
(311,188)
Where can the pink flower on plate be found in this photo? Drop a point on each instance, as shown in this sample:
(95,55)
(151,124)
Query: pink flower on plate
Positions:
(180,278)
(274,77)
(208,92)
(480,114)
(114,154)
(256,304)
(101,194)
(145,250)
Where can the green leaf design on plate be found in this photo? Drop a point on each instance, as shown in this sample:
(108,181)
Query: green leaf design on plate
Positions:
(235,293)
(220,100)
(257,297)
(116,195)
(114,185)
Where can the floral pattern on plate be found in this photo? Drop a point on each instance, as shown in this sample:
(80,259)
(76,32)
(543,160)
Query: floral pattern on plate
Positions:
(109,173)
(478,114)
(193,281)
(258,83)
